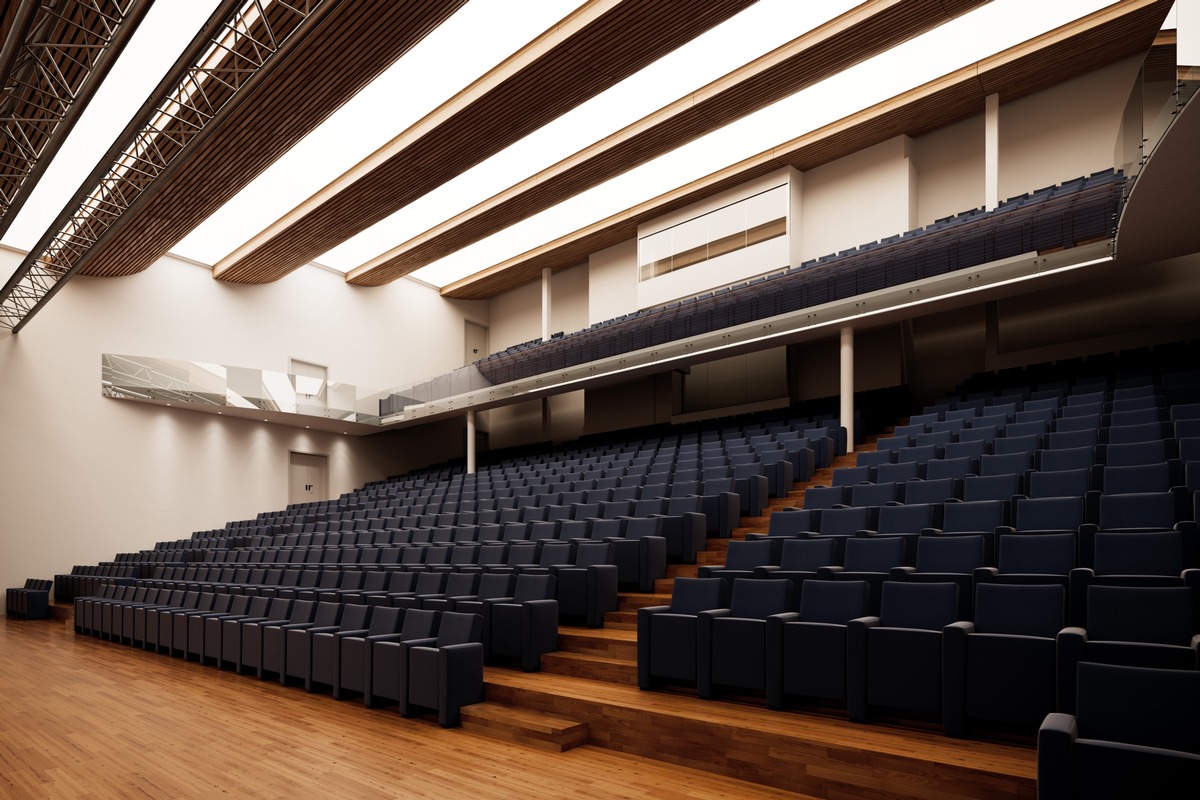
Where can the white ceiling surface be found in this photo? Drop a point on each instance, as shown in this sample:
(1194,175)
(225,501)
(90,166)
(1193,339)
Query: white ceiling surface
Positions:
(470,43)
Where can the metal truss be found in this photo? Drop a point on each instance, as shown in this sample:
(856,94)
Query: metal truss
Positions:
(57,55)
(241,39)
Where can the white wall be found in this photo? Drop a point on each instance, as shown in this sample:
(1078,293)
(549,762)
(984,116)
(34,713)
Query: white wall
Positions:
(86,477)
(612,281)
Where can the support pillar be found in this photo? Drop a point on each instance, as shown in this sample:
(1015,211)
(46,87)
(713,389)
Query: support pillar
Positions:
(846,410)
(471,442)
(991,151)
(547,273)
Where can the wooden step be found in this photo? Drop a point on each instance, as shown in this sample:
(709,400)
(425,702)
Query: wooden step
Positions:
(592,667)
(814,754)
(683,571)
(610,643)
(514,724)
(622,620)
(632,601)
(665,586)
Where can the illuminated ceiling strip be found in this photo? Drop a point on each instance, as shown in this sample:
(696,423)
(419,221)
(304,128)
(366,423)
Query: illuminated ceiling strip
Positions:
(210,74)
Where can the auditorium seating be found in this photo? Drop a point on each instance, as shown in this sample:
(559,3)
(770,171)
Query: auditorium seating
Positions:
(31,601)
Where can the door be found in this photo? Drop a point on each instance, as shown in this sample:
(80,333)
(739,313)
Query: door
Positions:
(308,478)
(475,343)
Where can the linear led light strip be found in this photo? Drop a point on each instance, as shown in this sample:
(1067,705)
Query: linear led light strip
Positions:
(134,169)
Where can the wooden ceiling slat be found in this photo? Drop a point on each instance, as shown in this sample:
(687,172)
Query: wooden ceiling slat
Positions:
(1101,38)
(597,46)
(860,33)
(350,46)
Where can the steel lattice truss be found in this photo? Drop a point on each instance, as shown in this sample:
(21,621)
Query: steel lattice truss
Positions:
(237,50)
(49,74)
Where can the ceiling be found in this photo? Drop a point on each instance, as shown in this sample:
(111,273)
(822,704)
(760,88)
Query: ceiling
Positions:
(309,64)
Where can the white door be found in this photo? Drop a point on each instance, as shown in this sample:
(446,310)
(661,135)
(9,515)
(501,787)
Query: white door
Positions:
(475,343)
(308,478)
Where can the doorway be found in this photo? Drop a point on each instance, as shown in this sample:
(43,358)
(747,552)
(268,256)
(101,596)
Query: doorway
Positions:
(475,343)
(308,477)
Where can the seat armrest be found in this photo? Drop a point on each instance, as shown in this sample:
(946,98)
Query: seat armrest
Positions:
(827,572)
(954,677)
(984,574)
(856,667)
(1055,743)
(901,573)
(1070,649)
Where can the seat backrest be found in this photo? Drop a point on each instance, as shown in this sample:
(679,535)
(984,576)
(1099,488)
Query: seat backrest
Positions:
(1139,706)
(419,623)
(593,553)
(385,619)
(937,490)
(834,602)
(1142,553)
(693,595)
(789,523)
(906,518)
(991,487)
(554,552)
(458,628)
(1149,452)
(1063,483)
(927,606)
(758,599)
(302,611)
(743,554)
(1020,609)
(1148,614)
(849,476)
(327,614)
(978,515)
(533,587)
(1036,554)
(1066,458)
(823,497)
(897,473)
(430,582)
(1144,510)
(259,606)
(1006,463)
(807,555)
(1048,514)
(949,554)
(1137,478)
(460,584)
(845,520)
(874,554)
(1145,432)
(873,494)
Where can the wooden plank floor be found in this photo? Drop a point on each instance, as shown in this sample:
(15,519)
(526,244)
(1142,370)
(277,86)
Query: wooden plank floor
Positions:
(81,718)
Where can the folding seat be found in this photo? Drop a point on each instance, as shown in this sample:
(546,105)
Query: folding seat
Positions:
(937,490)
(230,653)
(456,584)
(1134,558)
(587,588)
(742,557)
(806,652)
(1031,558)
(1068,458)
(1060,483)
(1015,444)
(326,661)
(1140,626)
(894,660)
(820,497)
(398,582)
(956,468)
(1005,464)
(162,621)
(1000,669)
(667,635)
(275,639)
(373,666)
(799,561)
(348,581)
(952,425)
(1132,728)
(684,528)
(519,553)
(939,438)
(867,559)
(731,643)
(130,625)
(204,630)
(844,523)
(427,583)
(254,635)
(948,559)
(896,473)
(446,673)
(524,626)
(778,468)
(752,487)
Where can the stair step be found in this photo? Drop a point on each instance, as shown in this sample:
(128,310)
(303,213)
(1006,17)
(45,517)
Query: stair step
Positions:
(632,601)
(608,643)
(621,620)
(597,668)
(515,724)
(665,586)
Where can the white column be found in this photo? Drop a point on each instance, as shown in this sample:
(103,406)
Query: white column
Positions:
(547,273)
(991,151)
(470,442)
(846,411)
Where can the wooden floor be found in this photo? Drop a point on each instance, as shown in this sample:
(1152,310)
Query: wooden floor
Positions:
(82,718)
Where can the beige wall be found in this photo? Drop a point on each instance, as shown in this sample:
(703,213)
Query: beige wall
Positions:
(87,477)
(612,282)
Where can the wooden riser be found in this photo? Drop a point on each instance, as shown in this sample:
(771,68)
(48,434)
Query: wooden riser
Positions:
(527,727)
(632,601)
(593,668)
(813,754)
(599,642)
